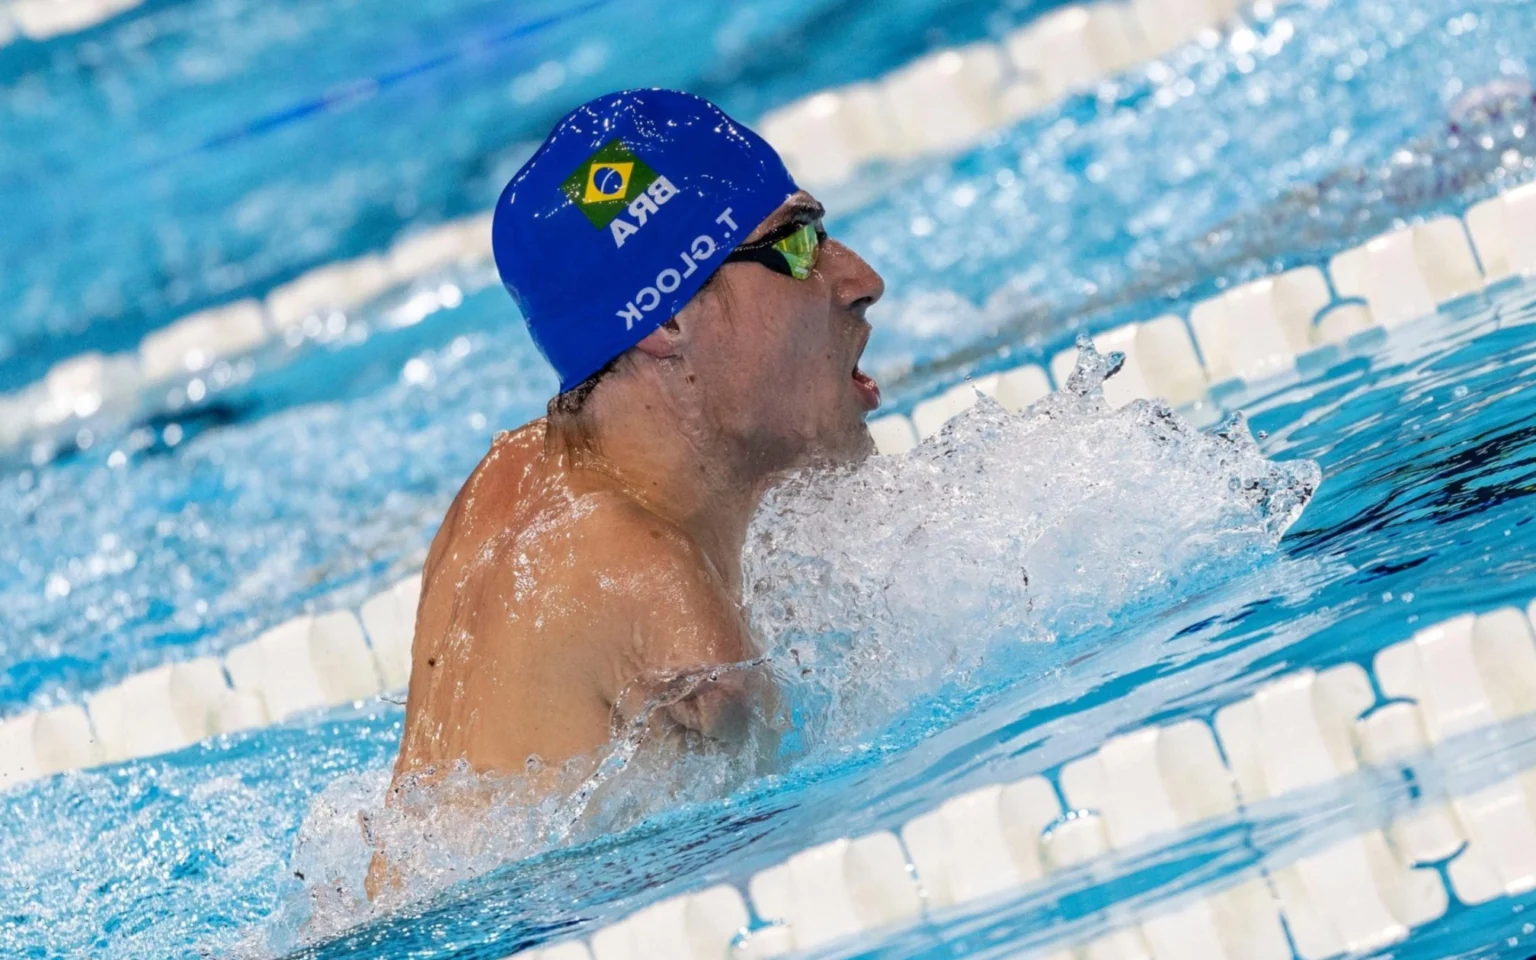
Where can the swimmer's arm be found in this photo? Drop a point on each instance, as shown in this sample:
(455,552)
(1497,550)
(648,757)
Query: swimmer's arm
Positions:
(701,643)
(692,648)
(719,705)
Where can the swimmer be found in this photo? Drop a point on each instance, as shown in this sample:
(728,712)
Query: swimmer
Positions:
(707,334)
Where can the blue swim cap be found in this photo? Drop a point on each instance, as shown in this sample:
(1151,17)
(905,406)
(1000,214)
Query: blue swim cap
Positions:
(623,213)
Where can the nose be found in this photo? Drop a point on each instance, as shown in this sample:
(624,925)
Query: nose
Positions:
(855,283)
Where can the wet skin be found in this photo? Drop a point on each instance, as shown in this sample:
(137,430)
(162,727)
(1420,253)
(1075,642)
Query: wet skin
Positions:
(586,565)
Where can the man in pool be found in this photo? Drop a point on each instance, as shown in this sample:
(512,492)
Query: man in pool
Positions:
(707,335)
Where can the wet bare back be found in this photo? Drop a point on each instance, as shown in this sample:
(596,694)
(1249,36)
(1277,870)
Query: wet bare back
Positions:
(549,592)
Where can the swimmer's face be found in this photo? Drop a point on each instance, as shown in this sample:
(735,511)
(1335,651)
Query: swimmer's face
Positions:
(776,358)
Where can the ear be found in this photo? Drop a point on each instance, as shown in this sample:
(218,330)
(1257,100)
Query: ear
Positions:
(664,342)
(673,338)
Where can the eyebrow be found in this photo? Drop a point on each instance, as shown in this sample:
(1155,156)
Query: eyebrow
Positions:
(802,211)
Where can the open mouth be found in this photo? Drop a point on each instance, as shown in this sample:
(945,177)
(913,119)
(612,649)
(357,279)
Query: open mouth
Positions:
(868,389)
(865,385)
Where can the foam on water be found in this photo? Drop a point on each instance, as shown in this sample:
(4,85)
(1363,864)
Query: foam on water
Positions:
(443,827)
(901,578)
(891,580)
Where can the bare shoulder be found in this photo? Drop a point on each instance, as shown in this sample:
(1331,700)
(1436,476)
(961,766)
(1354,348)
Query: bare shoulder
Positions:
(499,483)
(663,587)
(677,619)
(460,575)
(626,534)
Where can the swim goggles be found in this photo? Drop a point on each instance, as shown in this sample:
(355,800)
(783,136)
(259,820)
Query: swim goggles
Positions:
(790,250)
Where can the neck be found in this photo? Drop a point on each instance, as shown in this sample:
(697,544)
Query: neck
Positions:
(663,452)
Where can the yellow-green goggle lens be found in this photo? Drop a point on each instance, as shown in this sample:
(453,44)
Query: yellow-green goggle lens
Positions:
(799,250)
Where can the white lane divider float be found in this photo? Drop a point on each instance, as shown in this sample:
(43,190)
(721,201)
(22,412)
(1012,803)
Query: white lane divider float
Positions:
(458,243)
(945,100)
(1076,838)
(1124,944)
(982,843)
(1463,675)
(837,890)
(80,387)
(1354,897)
(76,388)
(1064,51)
(1342,321)
(196,341)
(1127,385)
(849,127)
(1257,331)
(1168,24)
(929,416)
(45,19)
(1298,732)
(36,745)
(1295,732)
(1019,387)
(1503,231)
(1156,780)
(1389,735)
(1160,362)
(1161,780)
(1241,923)
(1409,273)
(1071,49)
(1013,389)
(84,384)
(953,98)
(389,617)
(161,710)
(893,434)
(696,926)
(18,412)
(306,663)
(301,306)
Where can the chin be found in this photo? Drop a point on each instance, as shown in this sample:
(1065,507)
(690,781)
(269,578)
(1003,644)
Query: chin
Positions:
(853,446)
(866,445)
(840,439)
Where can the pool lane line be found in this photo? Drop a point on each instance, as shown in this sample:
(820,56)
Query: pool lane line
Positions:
(1328,892)
(361,89)
(16,406)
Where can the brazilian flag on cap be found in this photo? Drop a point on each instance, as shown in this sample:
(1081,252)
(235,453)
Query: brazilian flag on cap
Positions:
(603,186)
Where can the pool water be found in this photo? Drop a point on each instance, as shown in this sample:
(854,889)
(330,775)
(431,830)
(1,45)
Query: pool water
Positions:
(194,153)
(316,484)
(1433,435)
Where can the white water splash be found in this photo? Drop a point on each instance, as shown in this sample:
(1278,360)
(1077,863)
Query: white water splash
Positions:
(443,827)
(885,582)
(870,587)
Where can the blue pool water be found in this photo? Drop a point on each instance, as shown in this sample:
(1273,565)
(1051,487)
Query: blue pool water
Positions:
(313,485)
(191,153)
